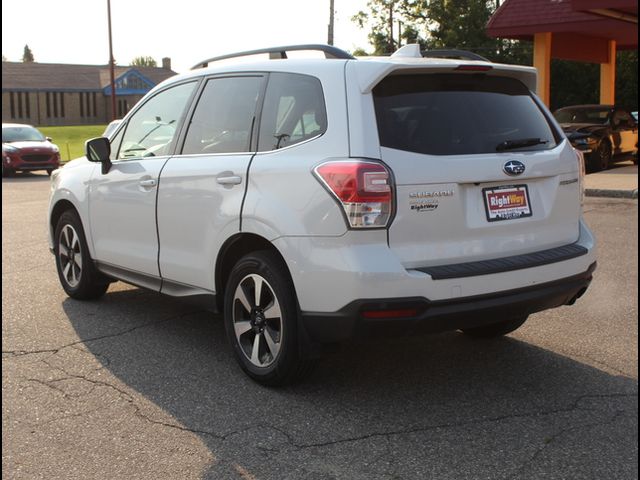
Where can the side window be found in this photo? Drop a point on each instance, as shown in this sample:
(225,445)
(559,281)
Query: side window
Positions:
(294,111)
(115,144)
(224,116)
(151,130)
(623,118)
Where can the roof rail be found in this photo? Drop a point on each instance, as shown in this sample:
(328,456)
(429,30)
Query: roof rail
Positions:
(281,52)
(453,53)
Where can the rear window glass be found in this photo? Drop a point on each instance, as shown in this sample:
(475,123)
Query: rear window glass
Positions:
(457,114)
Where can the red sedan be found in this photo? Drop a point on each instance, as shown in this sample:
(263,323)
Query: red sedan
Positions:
(25,148)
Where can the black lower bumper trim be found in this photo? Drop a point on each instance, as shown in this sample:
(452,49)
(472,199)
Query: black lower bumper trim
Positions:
(442,315)
(506,264)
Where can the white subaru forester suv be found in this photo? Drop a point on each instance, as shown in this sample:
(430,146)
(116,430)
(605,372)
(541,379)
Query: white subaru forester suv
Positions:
(315,200)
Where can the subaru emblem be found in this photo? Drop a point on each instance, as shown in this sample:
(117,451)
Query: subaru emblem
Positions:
(513,167)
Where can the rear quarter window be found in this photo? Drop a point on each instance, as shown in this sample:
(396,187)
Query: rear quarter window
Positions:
(457,114)
(294,111)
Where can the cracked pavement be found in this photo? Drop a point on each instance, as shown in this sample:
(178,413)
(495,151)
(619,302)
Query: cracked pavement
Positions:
(136,385)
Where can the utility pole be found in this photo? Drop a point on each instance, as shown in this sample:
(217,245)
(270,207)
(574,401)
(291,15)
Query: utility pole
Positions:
(111,66)
(391,40)
(331,11)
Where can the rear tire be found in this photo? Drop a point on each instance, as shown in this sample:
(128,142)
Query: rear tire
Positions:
(261,320)
(76,271)
(601,158)
(496,329)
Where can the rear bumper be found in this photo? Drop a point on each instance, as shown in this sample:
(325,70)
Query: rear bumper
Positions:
(442,315)
(329,273)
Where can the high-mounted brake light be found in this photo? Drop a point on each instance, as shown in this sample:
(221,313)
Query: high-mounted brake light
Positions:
(474,68)
(363,188)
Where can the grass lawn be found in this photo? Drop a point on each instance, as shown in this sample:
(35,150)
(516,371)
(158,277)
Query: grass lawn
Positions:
(71,139)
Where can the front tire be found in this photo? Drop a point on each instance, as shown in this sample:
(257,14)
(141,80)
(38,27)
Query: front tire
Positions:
(261,320)
(76,271)
(496,329)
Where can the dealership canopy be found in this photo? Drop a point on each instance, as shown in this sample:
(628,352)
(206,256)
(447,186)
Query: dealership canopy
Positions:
(579,30)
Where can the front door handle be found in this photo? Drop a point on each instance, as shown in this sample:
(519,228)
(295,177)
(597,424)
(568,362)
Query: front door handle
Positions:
(148,183)
(230,180)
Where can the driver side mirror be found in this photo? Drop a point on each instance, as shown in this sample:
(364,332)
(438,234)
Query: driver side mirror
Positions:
(98,150)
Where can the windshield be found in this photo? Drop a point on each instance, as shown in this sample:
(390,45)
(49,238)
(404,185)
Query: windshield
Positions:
(458,114)
(582,115)
(21,134)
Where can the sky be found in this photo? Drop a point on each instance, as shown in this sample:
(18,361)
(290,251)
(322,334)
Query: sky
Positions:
(187,31)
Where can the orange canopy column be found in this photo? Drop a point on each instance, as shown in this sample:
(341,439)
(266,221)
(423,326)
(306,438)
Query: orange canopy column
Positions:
(608,76)
(542,62)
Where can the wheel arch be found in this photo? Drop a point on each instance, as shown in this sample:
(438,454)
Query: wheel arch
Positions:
(58,209)
(233,250)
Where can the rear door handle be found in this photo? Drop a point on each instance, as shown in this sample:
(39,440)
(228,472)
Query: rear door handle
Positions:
(148,183)
(229,180)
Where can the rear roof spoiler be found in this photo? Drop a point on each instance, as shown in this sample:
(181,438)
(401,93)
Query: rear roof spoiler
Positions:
(411,59)
(371,72)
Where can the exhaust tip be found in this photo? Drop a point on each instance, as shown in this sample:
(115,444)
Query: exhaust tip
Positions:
(577,296)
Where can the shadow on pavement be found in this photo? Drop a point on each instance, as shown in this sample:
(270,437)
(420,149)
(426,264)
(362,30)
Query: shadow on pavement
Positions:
(409,407)
(22,177)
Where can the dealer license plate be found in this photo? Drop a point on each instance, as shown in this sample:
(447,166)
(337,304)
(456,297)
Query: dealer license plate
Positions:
(506,202)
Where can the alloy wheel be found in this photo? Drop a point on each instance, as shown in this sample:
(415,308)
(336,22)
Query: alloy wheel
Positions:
(257,320)
(70,255)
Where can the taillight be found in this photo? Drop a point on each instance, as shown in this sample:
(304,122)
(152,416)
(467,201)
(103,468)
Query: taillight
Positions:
(363,188)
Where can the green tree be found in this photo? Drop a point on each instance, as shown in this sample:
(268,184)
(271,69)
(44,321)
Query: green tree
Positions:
(27,56)
(359,52)
(627,79)
(436,24)
(380,17)
(143,62)
(573,83)
(578,83)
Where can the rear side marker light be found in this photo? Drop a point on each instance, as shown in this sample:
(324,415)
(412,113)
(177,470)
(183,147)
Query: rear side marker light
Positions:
(581,172)
(474,68)
(362,187)
(379,314)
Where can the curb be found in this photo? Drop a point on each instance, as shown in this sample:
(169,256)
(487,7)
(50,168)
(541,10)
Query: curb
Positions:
(599,192)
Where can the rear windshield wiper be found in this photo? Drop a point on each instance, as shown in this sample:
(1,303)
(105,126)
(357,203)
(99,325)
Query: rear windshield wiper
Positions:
(519,143)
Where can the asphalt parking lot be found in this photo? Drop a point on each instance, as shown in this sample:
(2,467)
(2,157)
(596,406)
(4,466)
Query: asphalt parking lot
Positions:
(136,385)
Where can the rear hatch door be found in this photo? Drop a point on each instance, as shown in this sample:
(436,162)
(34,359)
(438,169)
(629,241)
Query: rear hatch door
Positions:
(480,170)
